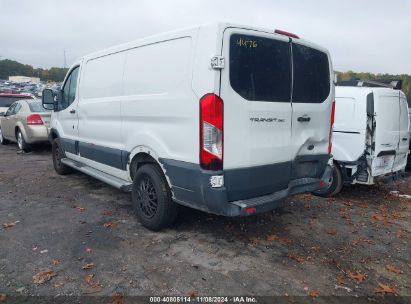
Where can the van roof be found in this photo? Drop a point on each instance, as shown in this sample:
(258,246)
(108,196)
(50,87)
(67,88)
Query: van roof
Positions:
(351,91)
(212,27)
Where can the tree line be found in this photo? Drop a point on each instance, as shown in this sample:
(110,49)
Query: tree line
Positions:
(14,68)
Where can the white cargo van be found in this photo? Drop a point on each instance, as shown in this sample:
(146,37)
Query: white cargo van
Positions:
(222,118)
(371,137)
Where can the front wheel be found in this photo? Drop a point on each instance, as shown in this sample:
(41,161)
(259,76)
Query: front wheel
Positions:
(58,155)
(152,198)
(336,184)
(21,142)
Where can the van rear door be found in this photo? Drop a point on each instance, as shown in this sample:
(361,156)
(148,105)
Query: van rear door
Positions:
(256,90)
(404,135)
(312,102)
(389,147)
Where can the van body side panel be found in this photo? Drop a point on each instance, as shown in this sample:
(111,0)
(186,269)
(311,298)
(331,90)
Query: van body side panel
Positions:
(159,108)
(99,110)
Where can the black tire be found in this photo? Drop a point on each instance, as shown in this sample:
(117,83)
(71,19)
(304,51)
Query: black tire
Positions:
(3,141)
(58,154)
(336,184)
(21,142)
(152,199)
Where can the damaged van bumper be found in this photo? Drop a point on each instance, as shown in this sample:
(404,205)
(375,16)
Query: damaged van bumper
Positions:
(196,188)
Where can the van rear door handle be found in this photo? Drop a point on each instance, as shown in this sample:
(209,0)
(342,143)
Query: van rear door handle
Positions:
(304,119)
(73,112)
(404,139)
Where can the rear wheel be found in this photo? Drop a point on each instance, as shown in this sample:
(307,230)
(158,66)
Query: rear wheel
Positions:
(21,142)
(152,198)
(3,141)
(336,184)
(58,155)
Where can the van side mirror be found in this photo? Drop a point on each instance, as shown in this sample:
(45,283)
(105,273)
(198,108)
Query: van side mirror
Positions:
(50,99)
(2,114)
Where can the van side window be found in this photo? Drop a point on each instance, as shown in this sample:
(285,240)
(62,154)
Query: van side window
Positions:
(70,89)
(311,75)
(260,68)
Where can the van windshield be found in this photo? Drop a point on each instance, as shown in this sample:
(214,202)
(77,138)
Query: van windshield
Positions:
(261,70)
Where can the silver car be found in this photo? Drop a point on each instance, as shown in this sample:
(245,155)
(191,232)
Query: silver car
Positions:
(25,122)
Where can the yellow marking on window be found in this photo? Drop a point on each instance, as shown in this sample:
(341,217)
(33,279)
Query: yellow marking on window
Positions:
(247,43)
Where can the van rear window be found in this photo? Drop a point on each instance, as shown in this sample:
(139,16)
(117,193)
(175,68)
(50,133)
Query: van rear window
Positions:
(260,68)
(311,75)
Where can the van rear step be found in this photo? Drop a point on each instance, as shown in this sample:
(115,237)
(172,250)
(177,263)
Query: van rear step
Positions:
(101,176)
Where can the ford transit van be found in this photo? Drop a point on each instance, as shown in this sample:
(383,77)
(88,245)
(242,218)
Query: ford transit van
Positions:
(227,119)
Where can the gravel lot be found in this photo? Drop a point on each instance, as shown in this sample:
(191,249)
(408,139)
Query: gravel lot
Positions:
(312,247)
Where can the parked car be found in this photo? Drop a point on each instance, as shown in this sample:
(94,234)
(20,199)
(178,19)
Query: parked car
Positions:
(173,125)
(25,122)
(371,133)
(7,99)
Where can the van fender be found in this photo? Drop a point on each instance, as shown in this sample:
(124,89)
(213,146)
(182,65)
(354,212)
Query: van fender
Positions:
(150,152)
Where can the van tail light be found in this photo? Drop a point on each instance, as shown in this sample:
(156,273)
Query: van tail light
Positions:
(211,132)
(330,140)
(34,120)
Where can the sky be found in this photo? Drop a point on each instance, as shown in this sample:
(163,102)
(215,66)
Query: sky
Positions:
(361,35)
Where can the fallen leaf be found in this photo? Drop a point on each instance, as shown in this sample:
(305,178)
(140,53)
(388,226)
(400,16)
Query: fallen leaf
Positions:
(332,231)
(56,262)
(307,206)
(58,285)
(107,213)
(348,204)
(359,277)
(296,258)
(193,294)
(3,297)
(88,250)
(110,225)
(393,269)
(340,280)
(399,234)
(314,294)
(117,299)
(81,209)
(385,289)
(9,225)
(43,277)
(88,266)
(88,279)
(272,238)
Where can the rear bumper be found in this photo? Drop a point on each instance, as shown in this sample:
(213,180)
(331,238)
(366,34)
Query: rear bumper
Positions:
(36,134)
(191,187)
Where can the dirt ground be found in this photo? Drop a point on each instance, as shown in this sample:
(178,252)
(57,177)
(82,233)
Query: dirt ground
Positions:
(357,244)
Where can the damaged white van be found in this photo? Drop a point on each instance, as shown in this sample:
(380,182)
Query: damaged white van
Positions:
(222,118)
(371,137)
